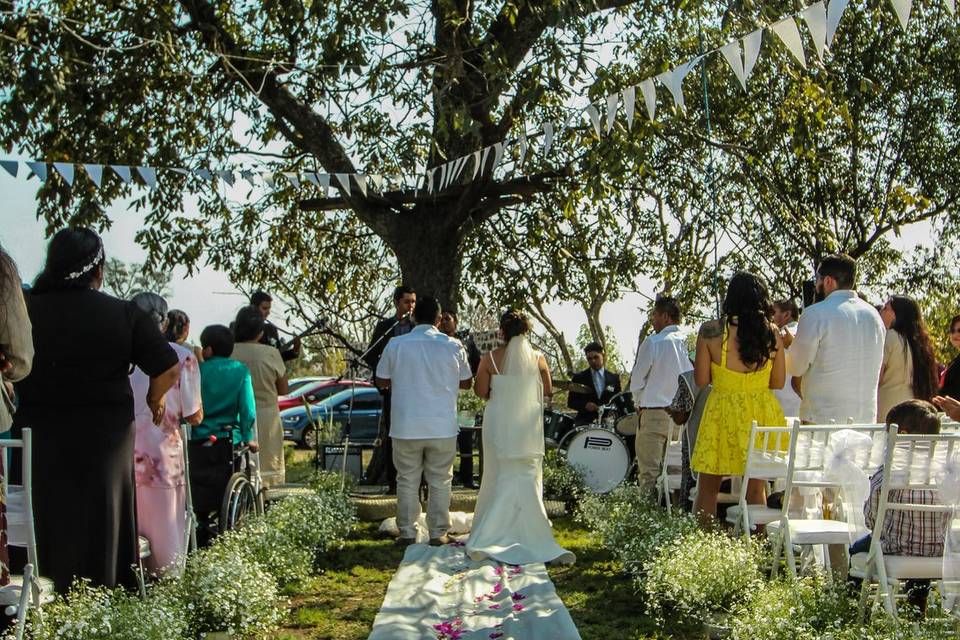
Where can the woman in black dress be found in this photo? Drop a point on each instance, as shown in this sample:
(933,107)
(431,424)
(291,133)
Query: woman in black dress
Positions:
(79,404)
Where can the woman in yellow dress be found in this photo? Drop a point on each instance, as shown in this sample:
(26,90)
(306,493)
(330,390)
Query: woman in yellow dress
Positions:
(741,354)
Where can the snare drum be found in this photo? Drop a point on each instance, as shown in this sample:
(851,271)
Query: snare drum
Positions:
(556,425)
(599,454)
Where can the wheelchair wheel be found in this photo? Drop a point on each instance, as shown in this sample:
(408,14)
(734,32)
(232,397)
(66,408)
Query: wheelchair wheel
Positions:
(239,503)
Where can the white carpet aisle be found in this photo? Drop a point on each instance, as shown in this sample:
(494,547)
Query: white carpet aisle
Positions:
(439,593)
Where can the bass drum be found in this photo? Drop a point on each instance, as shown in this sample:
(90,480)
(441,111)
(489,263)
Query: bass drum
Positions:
(599,454)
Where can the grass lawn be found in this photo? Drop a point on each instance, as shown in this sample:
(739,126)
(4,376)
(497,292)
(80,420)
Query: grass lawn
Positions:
(341,602)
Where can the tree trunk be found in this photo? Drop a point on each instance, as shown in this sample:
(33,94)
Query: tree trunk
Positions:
(430,258)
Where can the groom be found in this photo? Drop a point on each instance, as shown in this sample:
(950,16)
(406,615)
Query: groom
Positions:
(425,370)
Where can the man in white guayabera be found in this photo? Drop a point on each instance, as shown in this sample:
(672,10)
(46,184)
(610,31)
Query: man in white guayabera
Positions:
(837,350)
(425,370)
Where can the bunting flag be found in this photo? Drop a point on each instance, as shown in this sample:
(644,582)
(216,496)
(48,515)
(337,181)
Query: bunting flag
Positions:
(629,102)
(203,174)
(12,166)
(649,91)
(497,156)
(65,170)
(547,137)
(95,171)
(789,34)
(483,160)
(951,6)
(522,145)
(751,51)
(594,118)
(269,179)
(292,178)
(430,180)
(361,183)
(476,163)
(344,180)
(731,53)
(247,175)
(834,12)
(39,169)
(226,176)
(324,180)
(148,175)
(181,171)
(673,80)
(816,18)
(902,8)
(377,181)
(613,101)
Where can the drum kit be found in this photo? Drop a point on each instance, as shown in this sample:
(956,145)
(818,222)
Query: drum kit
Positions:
(598,449)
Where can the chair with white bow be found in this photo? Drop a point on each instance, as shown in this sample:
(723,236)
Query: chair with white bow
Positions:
(767,454)
(672,467)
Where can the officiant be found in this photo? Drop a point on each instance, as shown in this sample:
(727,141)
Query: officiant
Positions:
(603,385)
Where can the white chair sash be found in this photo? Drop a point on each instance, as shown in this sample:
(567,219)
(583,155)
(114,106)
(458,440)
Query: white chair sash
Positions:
(949,489)
(841,466)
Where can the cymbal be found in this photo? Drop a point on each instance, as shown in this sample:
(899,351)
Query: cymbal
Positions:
(572,387)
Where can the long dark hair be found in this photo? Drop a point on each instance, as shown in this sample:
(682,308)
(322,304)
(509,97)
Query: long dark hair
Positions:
(73,257)
(909,324)
(747,307)
(176,325)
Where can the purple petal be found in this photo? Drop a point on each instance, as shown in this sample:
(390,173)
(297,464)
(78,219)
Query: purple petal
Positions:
(518,607)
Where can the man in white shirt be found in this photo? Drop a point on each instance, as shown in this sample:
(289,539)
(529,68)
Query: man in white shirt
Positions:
(425,370)
(837,350)
(661,359)
(785,316)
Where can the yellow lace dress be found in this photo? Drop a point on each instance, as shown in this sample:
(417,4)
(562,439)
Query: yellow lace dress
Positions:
(737,399)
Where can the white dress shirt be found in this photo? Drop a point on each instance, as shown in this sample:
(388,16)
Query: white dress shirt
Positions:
(425,368)
(787,397)
(838,349)
(661,359)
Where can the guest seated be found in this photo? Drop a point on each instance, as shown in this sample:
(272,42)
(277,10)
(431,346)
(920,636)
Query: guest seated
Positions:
(229,415)
(907,533)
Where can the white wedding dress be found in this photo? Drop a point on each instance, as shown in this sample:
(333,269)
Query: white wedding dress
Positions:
(510,522)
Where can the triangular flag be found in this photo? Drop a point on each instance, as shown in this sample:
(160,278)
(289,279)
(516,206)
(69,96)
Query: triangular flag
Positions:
(323,180)
(612,102)
(649,91)
(476,163)
(95,171)
(834,12)
(458,166)
(149,176)
(344,180)
(522,144)
(594,118)
(293,178)
(122,171)
(247,175)
(377,181)
(816,18)
(483,160)
(39,169)
(361,183)
(547,137)
(673,80)
(204,174)
(902,7)
(430,180)
(269,179)
(226,176)
(789,34)
(951,6)
(65,169)
(751,52)
(497,156)
(731,52)
(312,178)
(444,170)
(11,167)
(180,170)
(629,103)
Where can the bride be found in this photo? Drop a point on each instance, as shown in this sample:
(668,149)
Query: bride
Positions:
(510,523)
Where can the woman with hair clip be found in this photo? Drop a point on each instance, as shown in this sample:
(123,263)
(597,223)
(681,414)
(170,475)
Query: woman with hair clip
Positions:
(909,369)
(741,355)
(510,522)
(178,330)
(79,404)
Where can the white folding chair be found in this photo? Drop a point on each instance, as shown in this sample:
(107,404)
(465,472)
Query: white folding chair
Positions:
(190,533)
(672,467)
(766,460)
(27,590)
(808,474)
(911,463)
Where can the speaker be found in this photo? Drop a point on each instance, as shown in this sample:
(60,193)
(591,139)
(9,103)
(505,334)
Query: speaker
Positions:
(333,459)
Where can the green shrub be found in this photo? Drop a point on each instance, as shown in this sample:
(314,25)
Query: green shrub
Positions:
(561,480)
(702,573)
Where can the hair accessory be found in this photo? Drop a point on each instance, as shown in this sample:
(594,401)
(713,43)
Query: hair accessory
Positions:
(97,259)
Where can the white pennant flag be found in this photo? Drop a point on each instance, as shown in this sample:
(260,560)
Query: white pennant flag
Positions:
(39,169)
(180,170)
(731,53)
(377,181)
(497,156)
(362,183)
(547,137)
(122,171)
(751,52)
(594,118)
(629,102)
(430,180)
(312,178)
(226,176)
(649,91)
(95,171)
(148,175)
(269,179)
(323,181)
(293,178)
(816,18)
(247,175)
(443,176)
(65,169)
(202,173)
(522,144)
(344,180)
(12,166)
(834,12)
(476,163)
(951,6)
(789,34)
(612,102)
(673,80)
(483,160)
(903,7)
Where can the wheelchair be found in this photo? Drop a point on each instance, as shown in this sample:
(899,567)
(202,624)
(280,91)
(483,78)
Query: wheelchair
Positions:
(244,494)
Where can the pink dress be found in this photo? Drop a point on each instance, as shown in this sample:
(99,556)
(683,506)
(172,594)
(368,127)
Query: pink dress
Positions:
(158,462)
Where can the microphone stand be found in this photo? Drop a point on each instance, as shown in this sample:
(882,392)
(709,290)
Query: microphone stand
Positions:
(352,367)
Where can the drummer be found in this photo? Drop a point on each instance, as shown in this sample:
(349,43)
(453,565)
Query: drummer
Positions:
(594,387)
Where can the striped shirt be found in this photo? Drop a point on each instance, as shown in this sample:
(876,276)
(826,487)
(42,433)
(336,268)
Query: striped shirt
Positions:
(907,533)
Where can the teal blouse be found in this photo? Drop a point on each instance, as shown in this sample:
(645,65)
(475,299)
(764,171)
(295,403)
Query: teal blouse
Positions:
(228,402)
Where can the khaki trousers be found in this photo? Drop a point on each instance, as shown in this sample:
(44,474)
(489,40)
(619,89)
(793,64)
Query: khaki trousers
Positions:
(652,434)
(433,460)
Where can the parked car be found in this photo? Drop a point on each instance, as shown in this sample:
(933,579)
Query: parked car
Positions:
(367,406)
(296,383)
(314,392)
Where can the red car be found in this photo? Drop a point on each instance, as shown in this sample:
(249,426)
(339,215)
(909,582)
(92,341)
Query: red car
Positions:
(314,392)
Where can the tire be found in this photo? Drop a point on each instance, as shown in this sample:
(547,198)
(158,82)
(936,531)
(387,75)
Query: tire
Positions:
(308,438)
(239,503)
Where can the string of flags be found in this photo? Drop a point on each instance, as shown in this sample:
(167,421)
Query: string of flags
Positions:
(821,18)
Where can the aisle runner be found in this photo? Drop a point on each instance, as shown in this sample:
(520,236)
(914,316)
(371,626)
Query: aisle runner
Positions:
(440,593)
